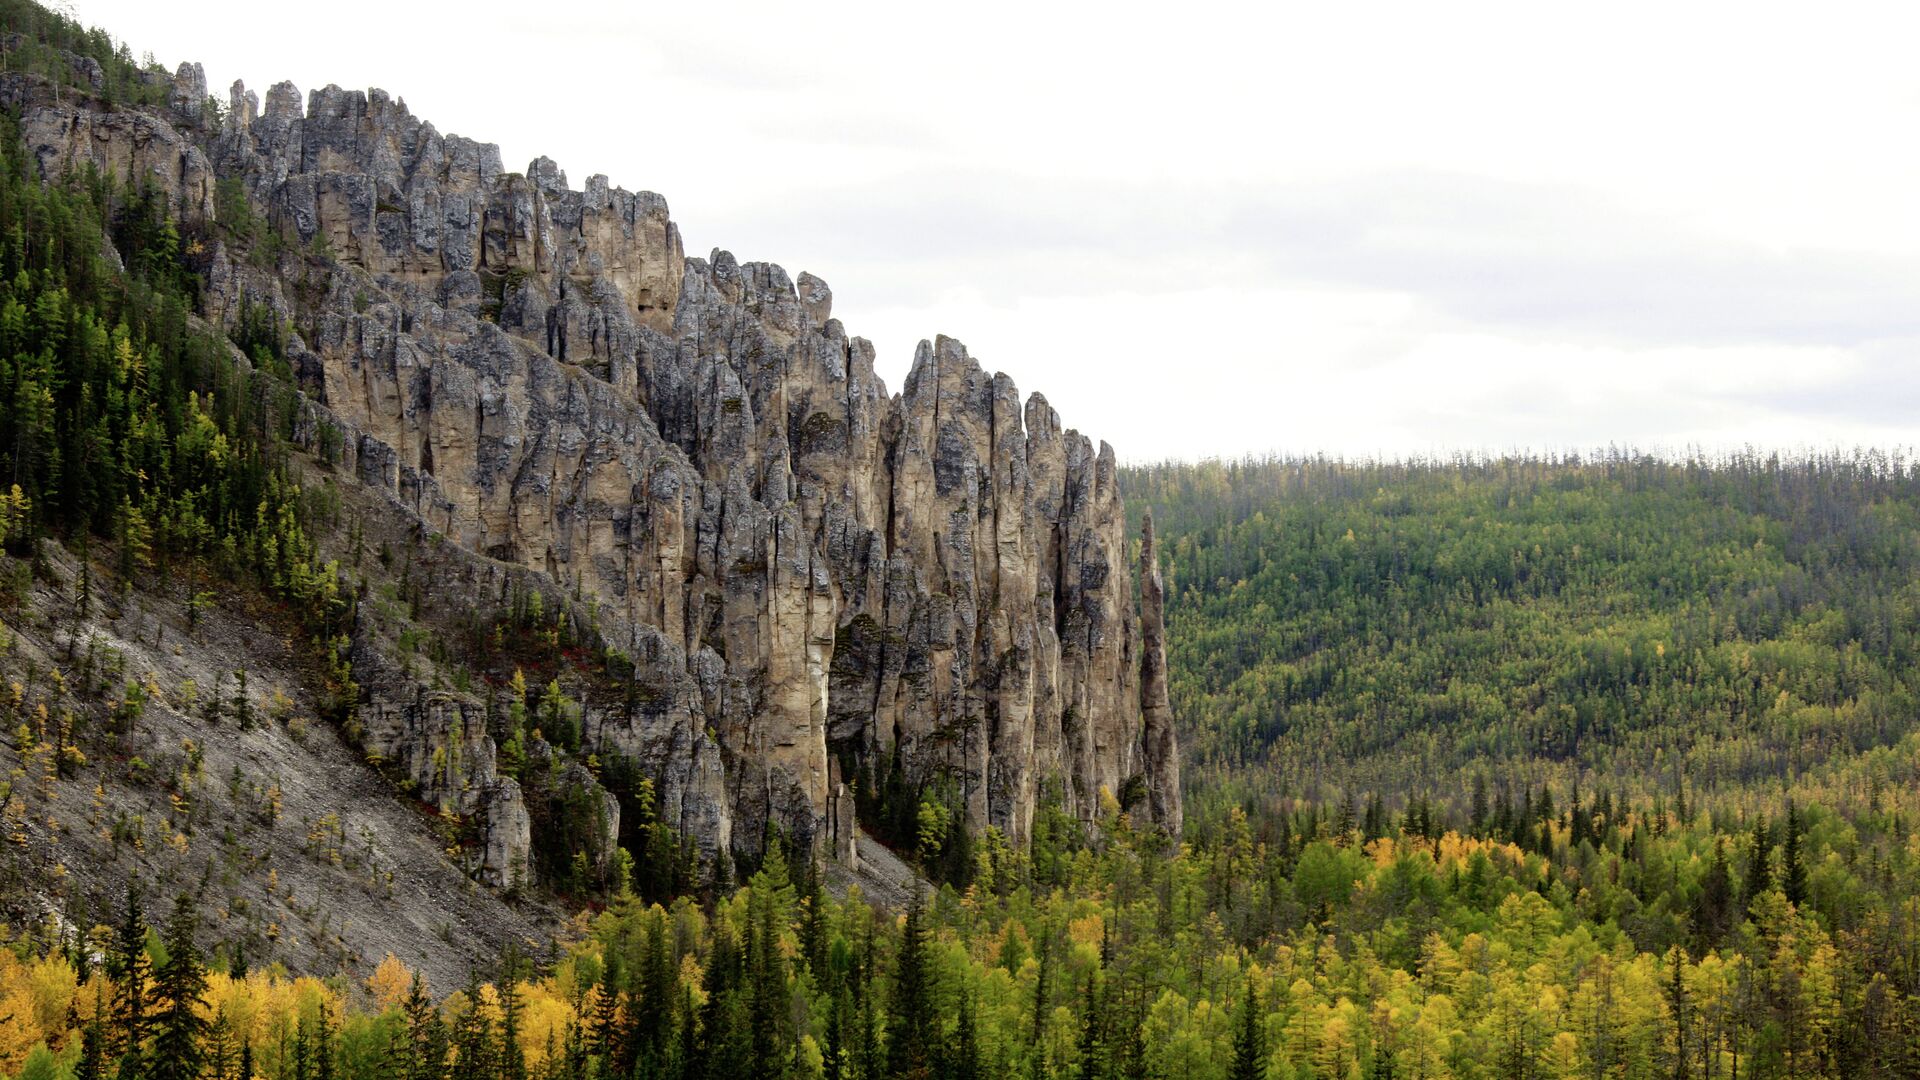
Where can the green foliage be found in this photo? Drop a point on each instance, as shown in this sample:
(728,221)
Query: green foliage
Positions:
(1342,627)
(50,42)
(123,421)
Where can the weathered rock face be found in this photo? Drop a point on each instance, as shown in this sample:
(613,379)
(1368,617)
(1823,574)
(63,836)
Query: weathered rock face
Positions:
(802,567)
(1156,736)
(135,147)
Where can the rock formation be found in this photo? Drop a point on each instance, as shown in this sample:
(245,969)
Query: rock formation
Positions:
(804,569)
(1157,738)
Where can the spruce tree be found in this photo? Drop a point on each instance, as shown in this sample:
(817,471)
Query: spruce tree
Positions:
(512,1058)
(722,1049)
(1093,1048)
(1793,872)
(813,931)
(426,1040)
(93,1053)
(838,1065)
(772,1042)
(1715,898)
(324,1044)
(963,1059)
(910,1016)
(1677,1008)
(219,1056)
(177,988)
(1042,996)
(473,1035)
(1249,1041)
(129,968)
(1477,818)
(607,1036)
(659,985)
(684,1062)
(1759,877)
(302,1049)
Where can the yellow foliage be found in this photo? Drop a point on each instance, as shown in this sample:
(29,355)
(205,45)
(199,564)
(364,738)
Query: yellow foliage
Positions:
(543,1023)
(389,982)
(1087,930)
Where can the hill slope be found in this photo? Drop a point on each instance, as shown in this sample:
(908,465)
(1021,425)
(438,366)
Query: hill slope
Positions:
(1355,627)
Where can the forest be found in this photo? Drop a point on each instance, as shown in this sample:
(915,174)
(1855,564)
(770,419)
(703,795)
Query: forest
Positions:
(1708,627)
(1499,767)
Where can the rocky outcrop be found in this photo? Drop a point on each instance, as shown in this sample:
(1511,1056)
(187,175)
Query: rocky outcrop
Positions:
(138,148)
(804,570)
(1157,739)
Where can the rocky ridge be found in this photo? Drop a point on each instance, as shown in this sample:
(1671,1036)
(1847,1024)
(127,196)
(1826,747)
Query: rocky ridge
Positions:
(805,571)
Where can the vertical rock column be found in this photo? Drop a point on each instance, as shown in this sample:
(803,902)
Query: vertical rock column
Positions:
(1159,748)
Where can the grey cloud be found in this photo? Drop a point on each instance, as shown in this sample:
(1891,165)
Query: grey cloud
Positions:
(1882,388)
(1553,260)
(1567,261)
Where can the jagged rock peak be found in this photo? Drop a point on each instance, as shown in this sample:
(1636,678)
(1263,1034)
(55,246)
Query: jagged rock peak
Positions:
(809,574)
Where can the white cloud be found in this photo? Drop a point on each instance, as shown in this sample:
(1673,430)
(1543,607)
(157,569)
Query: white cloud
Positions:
(1359,228)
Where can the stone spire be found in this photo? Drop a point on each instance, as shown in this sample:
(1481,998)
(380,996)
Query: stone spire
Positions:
(1160,749)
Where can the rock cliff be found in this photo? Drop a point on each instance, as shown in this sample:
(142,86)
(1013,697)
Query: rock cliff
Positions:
(807,572)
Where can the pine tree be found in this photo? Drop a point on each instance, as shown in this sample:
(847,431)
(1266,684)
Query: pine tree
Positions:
(1677,1008)
(659,985)
(963,1059)
(838,1063)
(93,1053)
(426,1040)
(722,1049)
(911,1020)
(1477,819)
(772,1039)
(177,989)
(1759,877)
(302,1049)
(1715,899)
(219,1056)
(607,1037)
(511,1056)
(1042,997)
(1093,1042)
(1249,1040)
(129,968)
(473,1036)
(1793,873)
(324,1045)
(813,931)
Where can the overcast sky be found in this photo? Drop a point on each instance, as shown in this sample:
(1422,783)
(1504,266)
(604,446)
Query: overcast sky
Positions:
(1207,229)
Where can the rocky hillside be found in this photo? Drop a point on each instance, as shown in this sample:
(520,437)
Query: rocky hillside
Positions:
(534,393)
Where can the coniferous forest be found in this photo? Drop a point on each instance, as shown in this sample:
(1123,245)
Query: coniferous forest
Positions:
(1530,767)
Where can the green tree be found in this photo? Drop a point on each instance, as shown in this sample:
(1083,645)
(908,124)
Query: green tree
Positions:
(130,969)
(1793,875)
(912,1023)
(1249,1039)
(178,986)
